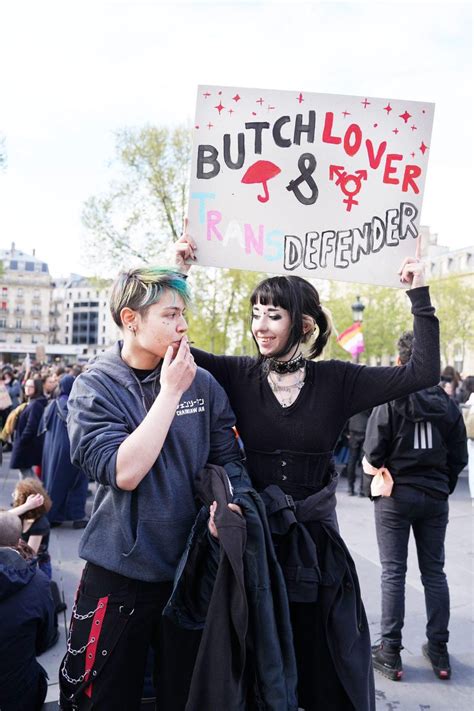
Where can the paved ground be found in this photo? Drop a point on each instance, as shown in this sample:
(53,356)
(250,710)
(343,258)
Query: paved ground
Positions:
(419,690)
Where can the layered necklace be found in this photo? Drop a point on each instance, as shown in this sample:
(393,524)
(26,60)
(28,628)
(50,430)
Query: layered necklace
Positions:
(287,392)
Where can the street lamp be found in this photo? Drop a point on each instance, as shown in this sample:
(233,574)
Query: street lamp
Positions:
(357,310)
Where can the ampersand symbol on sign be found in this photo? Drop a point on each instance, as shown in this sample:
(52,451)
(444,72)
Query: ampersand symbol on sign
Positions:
(306,166)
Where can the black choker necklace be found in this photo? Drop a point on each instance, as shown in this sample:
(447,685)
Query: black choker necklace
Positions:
(286,366)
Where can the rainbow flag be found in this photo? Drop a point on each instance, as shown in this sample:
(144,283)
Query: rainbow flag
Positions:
(352,339)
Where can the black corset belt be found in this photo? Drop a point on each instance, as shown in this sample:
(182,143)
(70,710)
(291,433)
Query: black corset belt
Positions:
(299,474)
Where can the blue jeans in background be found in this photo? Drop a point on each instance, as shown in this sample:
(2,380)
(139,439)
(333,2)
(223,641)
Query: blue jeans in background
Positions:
(409,508)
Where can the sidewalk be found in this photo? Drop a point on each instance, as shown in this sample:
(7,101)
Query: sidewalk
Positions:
(419,690)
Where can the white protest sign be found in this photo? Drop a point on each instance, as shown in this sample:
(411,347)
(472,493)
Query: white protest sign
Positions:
(319,185)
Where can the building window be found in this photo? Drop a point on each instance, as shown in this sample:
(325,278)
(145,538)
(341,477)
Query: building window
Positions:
(34,339)
(18,323)
(17,339)
(19,292)
(67,340)
(30,266)
(3,322)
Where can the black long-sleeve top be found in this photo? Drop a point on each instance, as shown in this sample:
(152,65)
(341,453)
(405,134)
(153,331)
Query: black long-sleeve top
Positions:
(333,390)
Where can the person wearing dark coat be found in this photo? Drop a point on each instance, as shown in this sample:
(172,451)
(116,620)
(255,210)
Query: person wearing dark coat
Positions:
(27,626)
(27,444)
(421,439)
(65,483)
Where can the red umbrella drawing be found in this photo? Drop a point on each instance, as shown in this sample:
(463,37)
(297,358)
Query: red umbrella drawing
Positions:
(261,172)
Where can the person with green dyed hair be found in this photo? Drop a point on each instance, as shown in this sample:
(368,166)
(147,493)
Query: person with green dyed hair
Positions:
(143,421)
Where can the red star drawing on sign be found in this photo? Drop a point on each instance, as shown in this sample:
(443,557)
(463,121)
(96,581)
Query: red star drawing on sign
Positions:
(259,101)
(210,125)
(405,116)
(413,128)
(346,113)
(231,111)
(206,94)
(412,155)
(219,107)
(423,148)
(270,108)
(299,98)
(365,103)
(395,131)
(236,97)
(387,108)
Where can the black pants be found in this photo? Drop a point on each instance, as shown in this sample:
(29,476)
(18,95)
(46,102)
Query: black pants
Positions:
(395,516)
(132,623)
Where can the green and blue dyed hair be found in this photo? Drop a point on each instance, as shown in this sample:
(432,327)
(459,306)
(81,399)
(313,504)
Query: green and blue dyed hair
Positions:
(139,288)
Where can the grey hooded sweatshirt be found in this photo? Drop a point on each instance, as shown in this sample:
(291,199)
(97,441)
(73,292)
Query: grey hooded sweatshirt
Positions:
(142,533)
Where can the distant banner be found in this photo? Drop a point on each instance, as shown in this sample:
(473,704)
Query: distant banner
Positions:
(319,185)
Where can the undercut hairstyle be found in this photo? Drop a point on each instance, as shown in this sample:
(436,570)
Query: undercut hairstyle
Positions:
(140,288)
(10,529)
(25,487)
(299,298)
(405,346)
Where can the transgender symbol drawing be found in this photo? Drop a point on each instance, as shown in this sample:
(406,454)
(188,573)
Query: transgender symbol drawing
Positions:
(349,184)
(261,172)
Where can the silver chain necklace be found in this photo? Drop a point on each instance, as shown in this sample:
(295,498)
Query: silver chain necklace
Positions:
(288,390)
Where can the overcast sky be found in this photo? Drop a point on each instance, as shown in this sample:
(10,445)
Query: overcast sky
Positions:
(74,72)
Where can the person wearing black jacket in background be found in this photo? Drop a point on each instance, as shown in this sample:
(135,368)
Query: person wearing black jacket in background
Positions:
(27,444)
(421,439)
(356,427)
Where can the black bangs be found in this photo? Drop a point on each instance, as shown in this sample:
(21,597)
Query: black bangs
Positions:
(273,291)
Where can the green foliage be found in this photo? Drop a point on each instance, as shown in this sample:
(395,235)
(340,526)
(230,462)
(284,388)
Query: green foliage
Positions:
(144,208)
(386,316)
(219,318)
(454,301)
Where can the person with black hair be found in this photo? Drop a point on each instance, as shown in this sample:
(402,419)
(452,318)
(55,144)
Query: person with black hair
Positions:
(421,440)
(290,410)
(27,444)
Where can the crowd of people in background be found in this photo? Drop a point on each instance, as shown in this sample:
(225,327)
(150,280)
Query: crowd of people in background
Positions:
(49,491)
